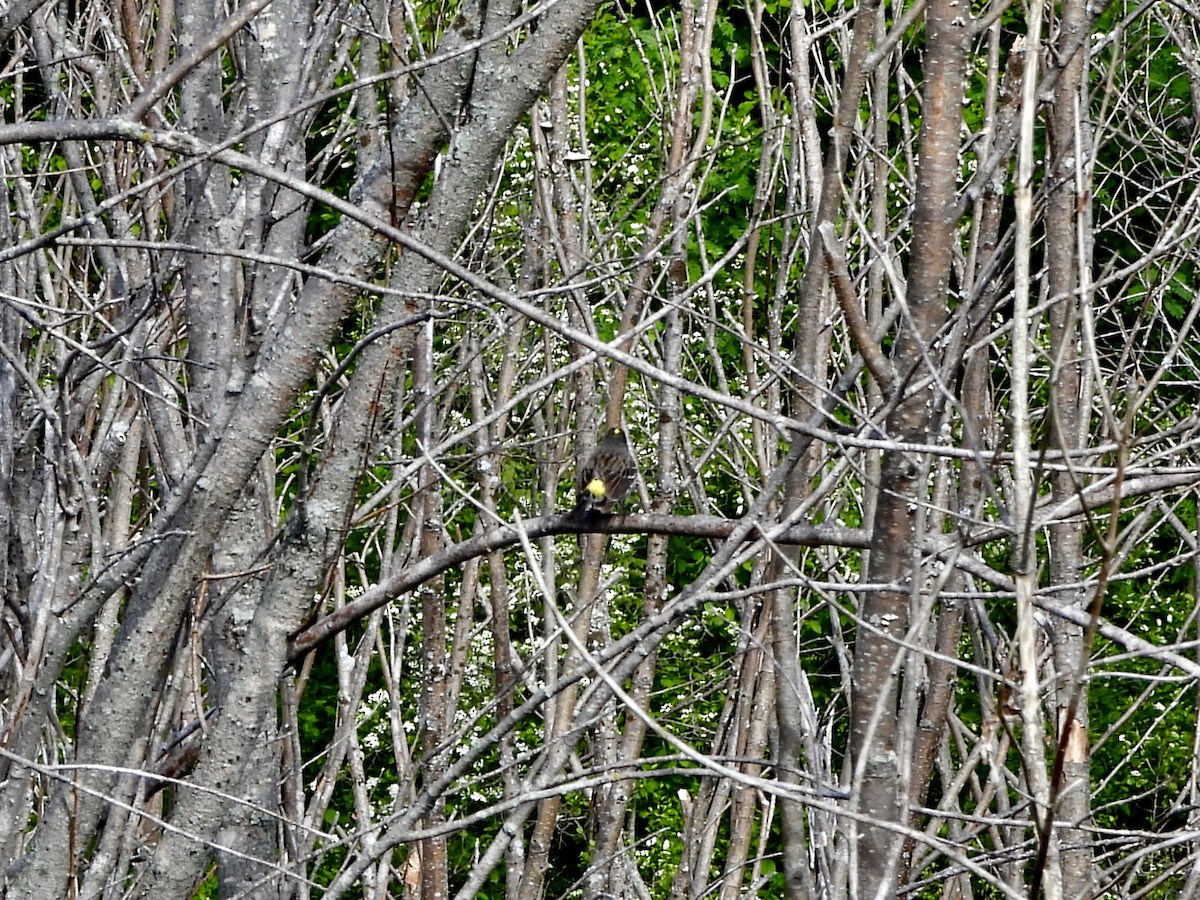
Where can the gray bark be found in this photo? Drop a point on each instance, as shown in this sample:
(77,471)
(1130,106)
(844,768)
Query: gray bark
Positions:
(879,720)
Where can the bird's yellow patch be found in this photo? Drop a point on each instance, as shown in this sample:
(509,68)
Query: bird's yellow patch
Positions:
(595,487)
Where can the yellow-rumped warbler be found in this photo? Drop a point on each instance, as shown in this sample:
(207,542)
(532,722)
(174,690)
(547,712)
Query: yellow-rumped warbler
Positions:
(608,475)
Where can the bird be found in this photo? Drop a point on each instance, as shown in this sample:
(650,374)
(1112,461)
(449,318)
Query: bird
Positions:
(608,476)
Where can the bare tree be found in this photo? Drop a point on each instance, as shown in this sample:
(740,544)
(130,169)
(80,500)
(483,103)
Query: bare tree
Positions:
(309,311)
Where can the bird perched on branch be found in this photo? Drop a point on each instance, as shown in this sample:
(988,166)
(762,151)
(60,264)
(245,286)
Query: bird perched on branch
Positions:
(608,476)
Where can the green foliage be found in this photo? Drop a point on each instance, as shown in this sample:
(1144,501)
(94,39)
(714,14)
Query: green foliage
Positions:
(339,159)
(1149,720)
(318,711)
(208,889)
